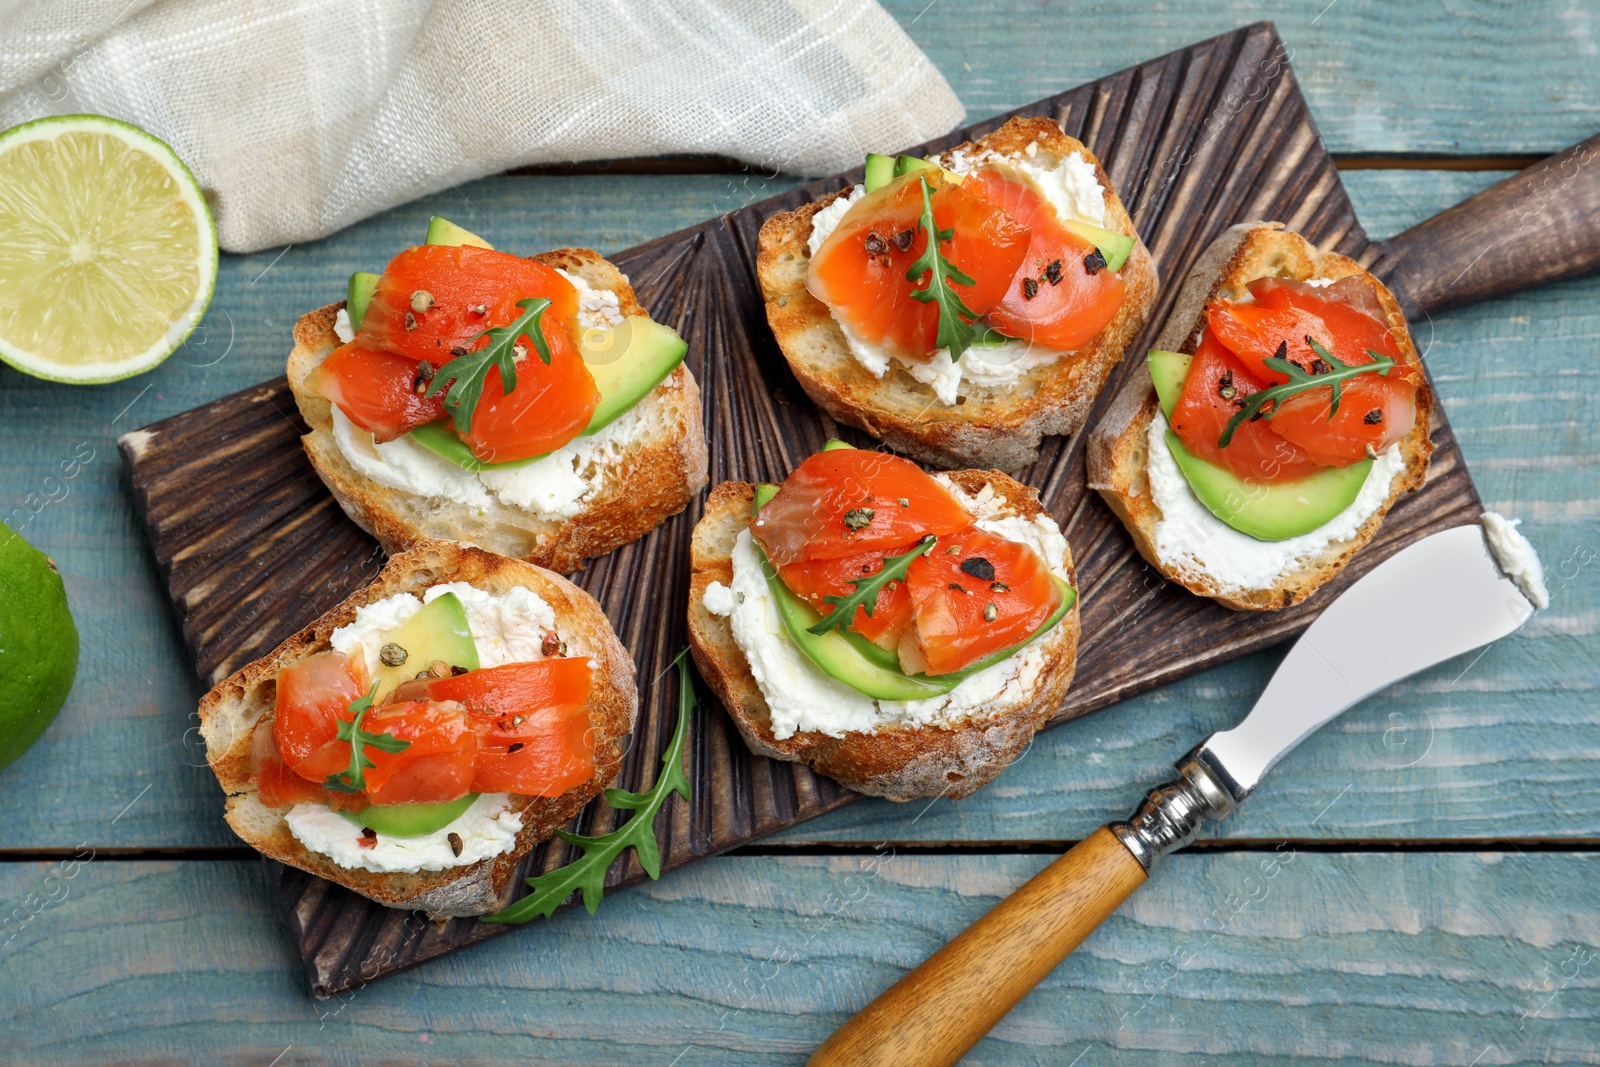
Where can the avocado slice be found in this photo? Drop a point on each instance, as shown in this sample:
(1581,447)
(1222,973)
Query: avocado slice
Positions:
(438,437)
(1114,247)
(438,632)
(410,820)
(904,165)
(1267,512)
(444,232)
(626,363)
(358,295)
(1168,370)
(880,171)
(989,337)
(868,668)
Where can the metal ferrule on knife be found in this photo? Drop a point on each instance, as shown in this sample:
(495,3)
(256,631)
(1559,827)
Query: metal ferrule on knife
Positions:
(1172,814)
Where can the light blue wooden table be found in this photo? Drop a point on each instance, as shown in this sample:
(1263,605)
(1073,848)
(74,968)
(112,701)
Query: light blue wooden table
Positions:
(1418,884)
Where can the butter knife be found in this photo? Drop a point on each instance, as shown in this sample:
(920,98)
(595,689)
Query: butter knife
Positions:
(1436,599)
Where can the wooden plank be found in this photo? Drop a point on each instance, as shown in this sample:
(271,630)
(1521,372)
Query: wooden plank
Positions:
(1512,728)
(1239,959)
(271,536)
(1393,79)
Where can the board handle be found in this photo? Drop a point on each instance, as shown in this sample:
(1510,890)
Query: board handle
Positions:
(941,1009)
(1536,227)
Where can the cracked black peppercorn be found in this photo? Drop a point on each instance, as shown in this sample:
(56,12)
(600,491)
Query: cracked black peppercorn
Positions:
(979,568)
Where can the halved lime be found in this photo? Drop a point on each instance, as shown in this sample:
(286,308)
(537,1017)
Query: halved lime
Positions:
(110,254)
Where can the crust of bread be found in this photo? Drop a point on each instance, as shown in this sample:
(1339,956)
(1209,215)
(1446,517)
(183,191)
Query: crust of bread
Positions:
(655,480)
(239,704)
(999,427)
(897,763)
(1118,446)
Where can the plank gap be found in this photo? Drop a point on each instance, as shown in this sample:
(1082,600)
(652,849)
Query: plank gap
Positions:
(214,853)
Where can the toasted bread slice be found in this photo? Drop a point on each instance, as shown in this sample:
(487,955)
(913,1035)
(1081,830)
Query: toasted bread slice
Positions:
(989,426)
(638,490)
(243,702)
(900,763)
(1118,448)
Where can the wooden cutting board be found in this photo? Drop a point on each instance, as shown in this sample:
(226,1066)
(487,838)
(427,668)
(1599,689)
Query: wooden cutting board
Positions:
(252,547)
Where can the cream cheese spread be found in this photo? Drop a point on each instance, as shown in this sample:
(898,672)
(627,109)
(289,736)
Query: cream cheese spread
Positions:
(487,828)
(803,698)
(1516,557)
(1189,537)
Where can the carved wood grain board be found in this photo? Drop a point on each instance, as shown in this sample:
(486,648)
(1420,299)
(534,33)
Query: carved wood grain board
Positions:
(252,547)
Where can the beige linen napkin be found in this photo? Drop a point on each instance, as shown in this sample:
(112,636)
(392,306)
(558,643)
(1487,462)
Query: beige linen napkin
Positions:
(301,118)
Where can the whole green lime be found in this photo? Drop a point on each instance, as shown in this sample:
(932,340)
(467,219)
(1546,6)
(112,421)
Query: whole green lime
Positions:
(38,644)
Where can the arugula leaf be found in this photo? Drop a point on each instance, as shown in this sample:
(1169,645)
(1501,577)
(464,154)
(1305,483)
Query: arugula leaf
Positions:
(353,780)
(1299,382)
(588,872)
(955,333)
(461,379)
(866,595)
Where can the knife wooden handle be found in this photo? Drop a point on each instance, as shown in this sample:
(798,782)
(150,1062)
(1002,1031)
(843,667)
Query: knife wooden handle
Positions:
(942,1008)
(1536,227)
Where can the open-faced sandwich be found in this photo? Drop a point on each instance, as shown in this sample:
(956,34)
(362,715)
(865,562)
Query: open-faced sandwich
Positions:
(1284,413)
(904,633)
(962,307)
(529,406)
(415,742)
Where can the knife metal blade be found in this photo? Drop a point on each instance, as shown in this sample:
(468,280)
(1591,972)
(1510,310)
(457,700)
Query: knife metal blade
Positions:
(1431,601)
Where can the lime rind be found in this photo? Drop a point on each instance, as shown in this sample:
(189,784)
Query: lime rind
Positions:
(187,316)
(38,644)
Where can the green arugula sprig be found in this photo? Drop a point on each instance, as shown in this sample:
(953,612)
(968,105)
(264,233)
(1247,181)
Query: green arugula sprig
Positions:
(1301,381)
(354,779)
(955,332)
(866,594)
(588,872)
(461,379)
